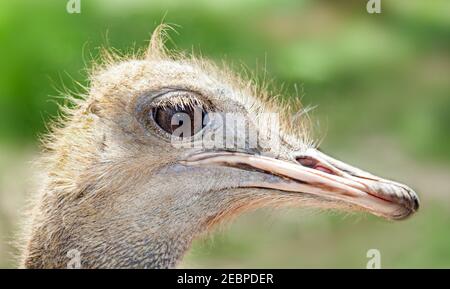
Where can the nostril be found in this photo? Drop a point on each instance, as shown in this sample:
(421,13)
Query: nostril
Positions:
(313,164)
(307,161)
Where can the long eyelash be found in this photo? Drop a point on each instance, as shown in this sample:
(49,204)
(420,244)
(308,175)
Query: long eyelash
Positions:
(182,101)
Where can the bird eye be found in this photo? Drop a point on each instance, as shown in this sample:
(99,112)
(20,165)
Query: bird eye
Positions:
(180,121)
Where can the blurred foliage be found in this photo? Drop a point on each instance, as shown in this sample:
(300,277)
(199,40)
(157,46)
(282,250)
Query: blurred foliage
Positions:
(385,74)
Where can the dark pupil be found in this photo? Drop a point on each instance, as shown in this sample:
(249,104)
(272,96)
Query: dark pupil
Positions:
(185,122)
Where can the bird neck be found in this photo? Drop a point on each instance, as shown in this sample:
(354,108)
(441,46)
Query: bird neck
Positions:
(98,234)
(106,226)
(58,245)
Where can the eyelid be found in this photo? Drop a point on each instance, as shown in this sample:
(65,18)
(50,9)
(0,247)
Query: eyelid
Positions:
(162,96)
(181,99)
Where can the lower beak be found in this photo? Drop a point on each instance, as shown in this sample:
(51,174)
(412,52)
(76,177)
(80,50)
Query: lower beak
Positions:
(318,174)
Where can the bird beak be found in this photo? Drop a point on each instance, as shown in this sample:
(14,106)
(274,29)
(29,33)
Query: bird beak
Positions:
(317,174)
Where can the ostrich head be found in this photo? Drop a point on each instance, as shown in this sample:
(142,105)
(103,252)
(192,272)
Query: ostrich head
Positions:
(149,160)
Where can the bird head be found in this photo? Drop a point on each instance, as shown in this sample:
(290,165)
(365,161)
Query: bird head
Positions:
(163,147)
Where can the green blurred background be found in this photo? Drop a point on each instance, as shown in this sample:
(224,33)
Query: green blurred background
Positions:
(381,83)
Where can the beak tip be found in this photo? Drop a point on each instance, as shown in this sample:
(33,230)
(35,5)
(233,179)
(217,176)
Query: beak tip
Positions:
(403,197)
(408,210)
(416,203)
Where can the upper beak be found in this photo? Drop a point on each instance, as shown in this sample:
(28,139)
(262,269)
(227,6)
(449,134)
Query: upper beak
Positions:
(318,174)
